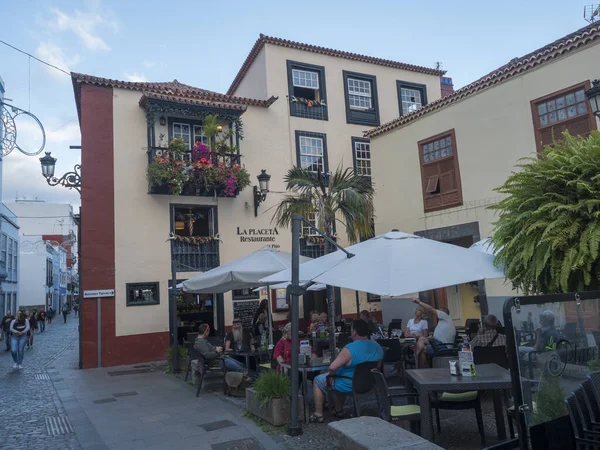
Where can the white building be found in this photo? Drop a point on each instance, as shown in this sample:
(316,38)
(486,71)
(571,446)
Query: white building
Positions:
(39,279)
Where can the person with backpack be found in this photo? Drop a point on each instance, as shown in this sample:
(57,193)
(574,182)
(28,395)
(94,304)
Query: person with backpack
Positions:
(51,313)
(31,328)
(19,328)
(42,320)
(5,327)
(65,311)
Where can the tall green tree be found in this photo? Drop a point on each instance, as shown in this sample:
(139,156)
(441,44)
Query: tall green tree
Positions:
(343,197)
(548,228)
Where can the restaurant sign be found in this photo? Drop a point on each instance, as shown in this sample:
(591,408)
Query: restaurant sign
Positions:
(266,235)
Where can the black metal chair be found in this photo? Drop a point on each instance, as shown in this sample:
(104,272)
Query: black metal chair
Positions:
(456,400)
(205,367)
(362,383)
(343,339)
(594,378)
(388,411)
(591,397)
(582,441)
(395,324)
(394,353)
(487,355)
(588,423)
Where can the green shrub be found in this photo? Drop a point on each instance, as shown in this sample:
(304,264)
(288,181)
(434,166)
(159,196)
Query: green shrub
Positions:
(182,352)
(270,386)
(594,364)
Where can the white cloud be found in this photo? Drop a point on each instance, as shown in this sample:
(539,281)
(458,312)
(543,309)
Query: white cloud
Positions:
(149,64)
(53,54)
(85,25)
(135,77)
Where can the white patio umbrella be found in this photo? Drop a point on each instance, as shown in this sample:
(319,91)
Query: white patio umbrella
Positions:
(486,247)
(242,273)
(313,287)
(396,263)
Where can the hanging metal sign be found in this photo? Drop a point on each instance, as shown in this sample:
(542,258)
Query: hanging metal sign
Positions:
(8,114)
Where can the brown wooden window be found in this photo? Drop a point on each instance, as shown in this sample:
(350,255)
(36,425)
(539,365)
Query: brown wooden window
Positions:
(568,109)
(440,177)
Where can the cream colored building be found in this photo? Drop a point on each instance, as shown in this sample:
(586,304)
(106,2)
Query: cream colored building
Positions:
(437,168)
(293,104)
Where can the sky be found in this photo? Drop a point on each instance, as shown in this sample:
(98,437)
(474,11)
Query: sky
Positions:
(204,44)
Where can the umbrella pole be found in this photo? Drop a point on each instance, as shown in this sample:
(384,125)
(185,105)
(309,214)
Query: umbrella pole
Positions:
(269,321)
(294,429)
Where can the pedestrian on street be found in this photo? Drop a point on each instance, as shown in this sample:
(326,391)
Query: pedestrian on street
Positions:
(65,311)
(76,309)
(5,327)
(19,328)
(31,328)
(51,313)
(42,320)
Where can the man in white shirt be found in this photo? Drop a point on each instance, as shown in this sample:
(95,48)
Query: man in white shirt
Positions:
(444,332)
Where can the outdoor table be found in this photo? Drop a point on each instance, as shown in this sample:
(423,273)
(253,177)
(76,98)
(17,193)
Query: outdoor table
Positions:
(490,377)
(313,366)
(247,355)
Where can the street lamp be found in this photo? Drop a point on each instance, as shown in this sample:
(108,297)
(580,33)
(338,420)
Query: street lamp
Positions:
(260,191)
(593,95)
(71,180)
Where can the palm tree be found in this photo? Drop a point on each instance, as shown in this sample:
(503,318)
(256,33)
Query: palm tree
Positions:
(343,197)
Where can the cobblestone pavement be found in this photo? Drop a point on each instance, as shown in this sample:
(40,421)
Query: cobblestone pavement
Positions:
(29,399)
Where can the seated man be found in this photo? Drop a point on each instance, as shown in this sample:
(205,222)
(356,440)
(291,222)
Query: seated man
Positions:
(214,355)
(488,336)
(359,351)
(444,333)
(234,340)
(546,337)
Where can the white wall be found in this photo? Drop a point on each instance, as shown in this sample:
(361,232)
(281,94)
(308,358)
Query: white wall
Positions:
(33,274)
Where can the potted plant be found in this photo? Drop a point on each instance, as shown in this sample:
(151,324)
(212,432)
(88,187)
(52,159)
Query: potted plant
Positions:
(183,357)
(269,399)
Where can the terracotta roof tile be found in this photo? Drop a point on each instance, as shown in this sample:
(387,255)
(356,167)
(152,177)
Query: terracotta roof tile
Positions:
(171,91)
(263,39)
(514,67)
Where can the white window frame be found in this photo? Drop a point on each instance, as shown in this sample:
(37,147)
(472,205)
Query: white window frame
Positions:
(313,79)
(358,144)
(356,95)
(408,110)
(303,144)
(9,260)
(313,219)
(181,134)
(203,138)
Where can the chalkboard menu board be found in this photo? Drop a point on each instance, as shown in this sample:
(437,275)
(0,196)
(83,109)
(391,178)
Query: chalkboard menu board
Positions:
(244,310)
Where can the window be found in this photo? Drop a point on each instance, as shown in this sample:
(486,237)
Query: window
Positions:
(440,176)
(566,110)
(311,150)
(190,133)
(281,302)
(142,294)
(306,90)
(361,98)
(411,96)
(311,218)
(182,130)
(9,261)
(245,294)
(3,248)
(361,152)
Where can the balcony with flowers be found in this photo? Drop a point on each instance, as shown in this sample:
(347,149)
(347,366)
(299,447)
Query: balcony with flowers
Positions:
(211,168)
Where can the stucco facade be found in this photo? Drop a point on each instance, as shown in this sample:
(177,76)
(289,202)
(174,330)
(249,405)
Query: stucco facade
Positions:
(125,230)
(494,128)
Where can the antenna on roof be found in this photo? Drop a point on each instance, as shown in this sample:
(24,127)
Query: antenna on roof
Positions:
(591,13)
(439,65)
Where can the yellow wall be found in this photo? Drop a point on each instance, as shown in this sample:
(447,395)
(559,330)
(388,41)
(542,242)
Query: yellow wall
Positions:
(142,221)
(493,130)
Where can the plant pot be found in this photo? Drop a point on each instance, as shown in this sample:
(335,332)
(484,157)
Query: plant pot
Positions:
(276,412)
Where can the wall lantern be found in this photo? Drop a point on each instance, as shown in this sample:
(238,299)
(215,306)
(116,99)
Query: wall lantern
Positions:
(71,180)
(260,191)
(219,127)
(593,96)
(48,165)
(162,121)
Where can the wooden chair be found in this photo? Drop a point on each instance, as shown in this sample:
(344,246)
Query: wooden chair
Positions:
(390,412)
(362,383)
(456,400)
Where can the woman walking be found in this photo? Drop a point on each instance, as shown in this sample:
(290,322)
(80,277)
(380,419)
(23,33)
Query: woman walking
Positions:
(19,328)
(32,326)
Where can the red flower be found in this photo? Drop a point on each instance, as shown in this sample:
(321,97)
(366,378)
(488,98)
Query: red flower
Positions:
(204,160)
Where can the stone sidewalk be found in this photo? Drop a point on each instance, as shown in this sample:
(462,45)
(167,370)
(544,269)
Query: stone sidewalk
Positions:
(139,406)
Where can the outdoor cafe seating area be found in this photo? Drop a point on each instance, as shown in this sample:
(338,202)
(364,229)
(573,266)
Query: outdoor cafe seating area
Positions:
(528,389)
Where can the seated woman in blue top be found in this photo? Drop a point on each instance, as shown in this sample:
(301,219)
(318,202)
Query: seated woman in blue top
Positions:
(359,351)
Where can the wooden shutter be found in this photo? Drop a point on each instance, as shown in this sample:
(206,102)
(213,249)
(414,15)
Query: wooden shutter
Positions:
(580,125)
(440,178)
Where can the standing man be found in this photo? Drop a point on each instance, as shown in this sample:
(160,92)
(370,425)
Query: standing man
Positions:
(65,311)
(50,314)
(443,335)
(5,327)
(42,320)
